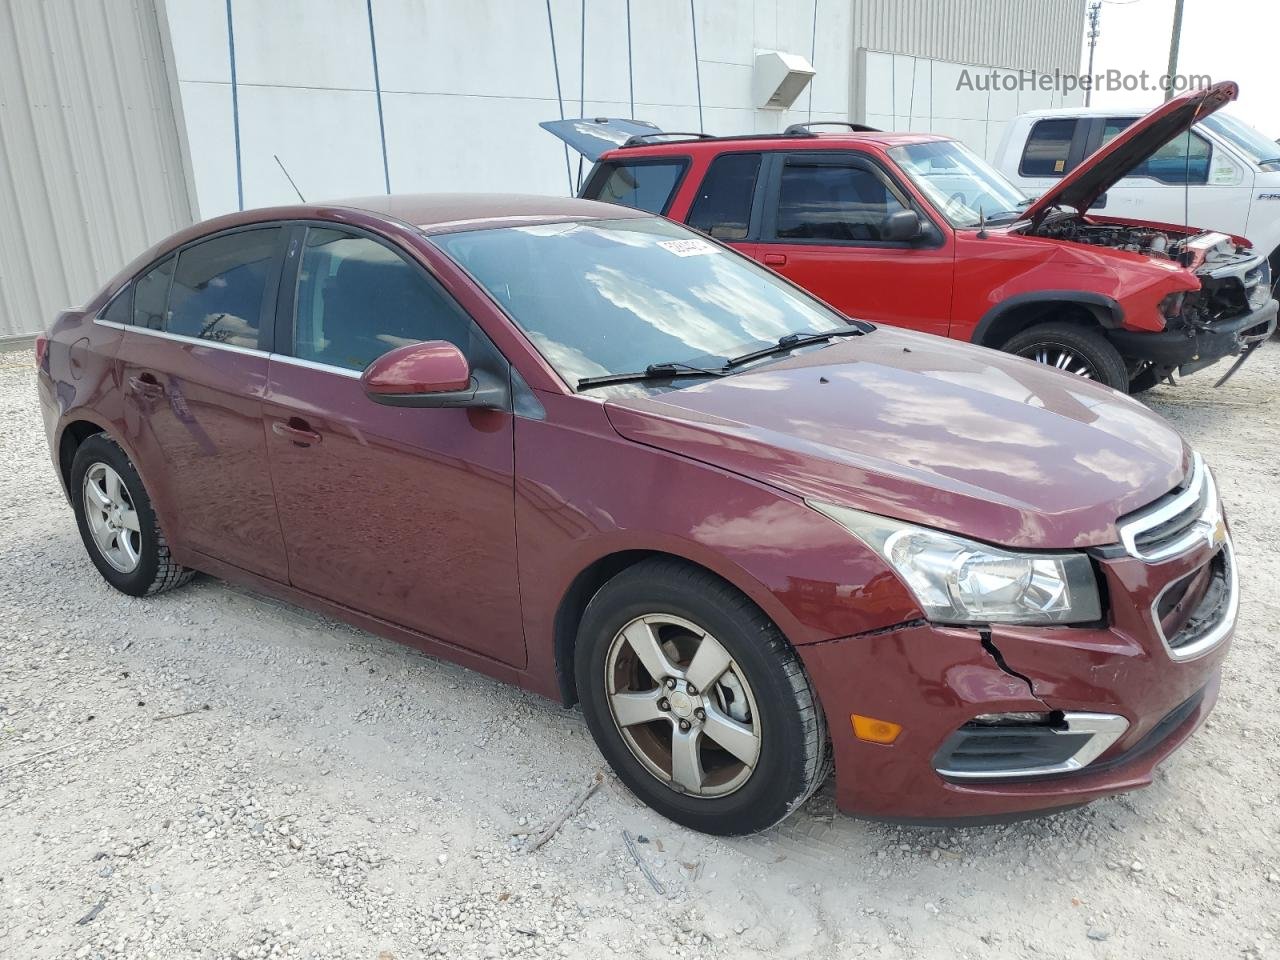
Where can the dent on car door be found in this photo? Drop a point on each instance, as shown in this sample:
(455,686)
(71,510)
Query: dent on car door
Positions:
(822,228)
(193,372)
(400,512)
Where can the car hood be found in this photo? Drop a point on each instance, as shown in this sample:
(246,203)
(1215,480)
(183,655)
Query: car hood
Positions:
(1105,167)
(930,431)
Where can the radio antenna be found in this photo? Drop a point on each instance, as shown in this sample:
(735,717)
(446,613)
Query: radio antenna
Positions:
(301,198)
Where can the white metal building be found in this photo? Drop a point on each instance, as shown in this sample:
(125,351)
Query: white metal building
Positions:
(122,120)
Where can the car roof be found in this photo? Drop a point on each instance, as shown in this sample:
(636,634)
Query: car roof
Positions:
(435,213)
(1087,112)
(773,141)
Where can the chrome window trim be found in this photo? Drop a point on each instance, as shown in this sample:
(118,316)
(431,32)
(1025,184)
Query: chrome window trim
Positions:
(1200,530)
(182,338)
(233,348)
(1224,626)
(1106,729)
(316,365)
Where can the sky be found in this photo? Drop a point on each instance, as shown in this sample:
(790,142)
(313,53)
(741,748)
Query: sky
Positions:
(1227,39)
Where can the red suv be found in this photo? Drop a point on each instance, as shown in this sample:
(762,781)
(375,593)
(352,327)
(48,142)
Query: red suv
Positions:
(917,231)
(591,452)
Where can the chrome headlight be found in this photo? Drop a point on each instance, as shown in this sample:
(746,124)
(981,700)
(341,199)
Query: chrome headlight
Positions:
(961,581)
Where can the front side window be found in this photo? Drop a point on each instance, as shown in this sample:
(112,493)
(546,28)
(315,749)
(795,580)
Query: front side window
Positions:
(219,284)
(614,296)
(1255,145)
(722,208)
(645,186)
(151,293)
(1048,148)
(841,204)
(357,299)
(1184,159)
(959,182)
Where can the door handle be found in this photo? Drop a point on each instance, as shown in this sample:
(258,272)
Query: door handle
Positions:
(146,385)
(296,430)
(775,259)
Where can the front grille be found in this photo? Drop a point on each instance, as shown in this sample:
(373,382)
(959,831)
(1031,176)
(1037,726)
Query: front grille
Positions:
(1176,521)
(1194,614)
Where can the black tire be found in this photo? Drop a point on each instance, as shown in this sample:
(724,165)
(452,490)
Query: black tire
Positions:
(792,760)
(155,570)
(1104,362)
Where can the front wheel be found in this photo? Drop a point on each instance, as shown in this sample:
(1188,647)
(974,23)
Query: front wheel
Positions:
(1073,349)
(697,700)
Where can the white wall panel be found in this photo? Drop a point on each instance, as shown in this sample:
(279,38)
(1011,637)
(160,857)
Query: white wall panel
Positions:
(91,169)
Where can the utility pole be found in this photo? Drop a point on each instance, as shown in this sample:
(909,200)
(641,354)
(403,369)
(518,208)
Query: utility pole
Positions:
(1095,12)
(1174,39)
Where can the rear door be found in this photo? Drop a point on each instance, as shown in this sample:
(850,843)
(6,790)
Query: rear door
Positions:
(821,228)
(194,369)
(404,513)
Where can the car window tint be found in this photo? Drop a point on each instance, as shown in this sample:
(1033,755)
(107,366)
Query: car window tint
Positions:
(833,203)
(1047,149)
(358,298)
(151,292)
(1184,159)
(645,186)
(722,208)
(218,287)
(120,309)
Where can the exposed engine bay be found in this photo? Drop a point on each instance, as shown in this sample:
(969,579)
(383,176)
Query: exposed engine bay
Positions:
(1234,279)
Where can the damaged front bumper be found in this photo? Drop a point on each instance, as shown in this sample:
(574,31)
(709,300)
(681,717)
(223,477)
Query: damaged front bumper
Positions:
(947,688)
(1190,349)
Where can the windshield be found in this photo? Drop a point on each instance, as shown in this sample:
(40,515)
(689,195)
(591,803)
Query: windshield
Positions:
(960,183)
(614,296)
(1254,145)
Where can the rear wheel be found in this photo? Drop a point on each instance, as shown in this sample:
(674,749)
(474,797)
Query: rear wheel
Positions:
(697,700)
(1073,349)
(117,524)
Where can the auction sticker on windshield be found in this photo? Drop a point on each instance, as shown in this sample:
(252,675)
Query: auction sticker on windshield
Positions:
(688,248)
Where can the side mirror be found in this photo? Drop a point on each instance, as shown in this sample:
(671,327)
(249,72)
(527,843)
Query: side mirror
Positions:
(430,374)
(901,227)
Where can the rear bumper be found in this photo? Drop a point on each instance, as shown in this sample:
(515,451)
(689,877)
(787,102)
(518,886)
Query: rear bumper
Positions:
(1174,348)
(933,680)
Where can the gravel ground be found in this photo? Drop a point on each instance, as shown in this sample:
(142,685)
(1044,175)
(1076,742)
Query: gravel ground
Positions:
(213,774)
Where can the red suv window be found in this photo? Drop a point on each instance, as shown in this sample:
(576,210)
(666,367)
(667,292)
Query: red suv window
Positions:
(722,207)
(646,185)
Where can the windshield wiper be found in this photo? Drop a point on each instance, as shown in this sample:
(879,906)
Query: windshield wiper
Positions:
(654,371)
(793,340)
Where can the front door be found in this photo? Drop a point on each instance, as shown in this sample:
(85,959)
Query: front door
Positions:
(404,513)
(193,374)
(821,230)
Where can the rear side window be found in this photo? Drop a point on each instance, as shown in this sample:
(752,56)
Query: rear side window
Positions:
(1048,148)
(838,203)
(357,299)
(722,207)
(645,186)
(120,310)
(151,293)
(1184,159)
(219,284)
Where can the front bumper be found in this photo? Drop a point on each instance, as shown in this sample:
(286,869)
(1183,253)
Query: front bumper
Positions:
(933,680)
(1190,351)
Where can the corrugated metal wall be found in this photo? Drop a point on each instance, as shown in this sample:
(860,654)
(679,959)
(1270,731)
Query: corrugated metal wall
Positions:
(91,169)
(1022,34)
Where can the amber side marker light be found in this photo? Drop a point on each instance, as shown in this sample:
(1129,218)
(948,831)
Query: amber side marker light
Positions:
(873,730)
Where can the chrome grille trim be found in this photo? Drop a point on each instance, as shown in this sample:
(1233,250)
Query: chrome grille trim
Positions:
(1199,502)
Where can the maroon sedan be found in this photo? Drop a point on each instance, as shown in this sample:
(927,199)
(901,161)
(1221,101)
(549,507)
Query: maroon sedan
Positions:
(587,451)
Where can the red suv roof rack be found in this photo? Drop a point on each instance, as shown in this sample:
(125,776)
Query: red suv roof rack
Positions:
(802,129)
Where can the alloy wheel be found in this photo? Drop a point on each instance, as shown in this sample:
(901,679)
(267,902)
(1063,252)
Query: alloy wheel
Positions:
(112,517)
(1060,357)
(682,705)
